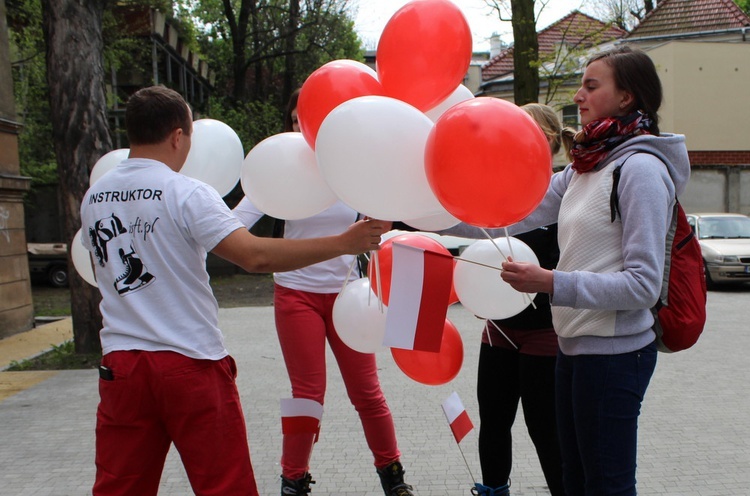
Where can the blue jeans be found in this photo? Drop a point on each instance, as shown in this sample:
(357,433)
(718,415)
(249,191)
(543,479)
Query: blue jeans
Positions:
(598,402)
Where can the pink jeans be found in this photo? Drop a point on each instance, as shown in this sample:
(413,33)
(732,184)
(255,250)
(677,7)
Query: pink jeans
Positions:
(303,322)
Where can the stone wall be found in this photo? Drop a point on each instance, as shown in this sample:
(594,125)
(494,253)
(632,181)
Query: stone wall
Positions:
(16,309)
(718,188)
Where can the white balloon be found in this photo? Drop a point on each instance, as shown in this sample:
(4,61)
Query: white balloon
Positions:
(106,163)
(82,260)
(215,155)
(282,178)
(358,318)
(460,94)
(371,152)
(480,289)
(437,222)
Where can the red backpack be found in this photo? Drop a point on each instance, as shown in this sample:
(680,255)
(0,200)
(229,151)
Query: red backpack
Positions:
(680,312)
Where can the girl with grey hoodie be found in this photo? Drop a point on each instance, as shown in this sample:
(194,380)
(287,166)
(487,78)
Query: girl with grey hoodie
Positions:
(610,271)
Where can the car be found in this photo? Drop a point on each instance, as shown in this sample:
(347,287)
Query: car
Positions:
(725,246)
(49,261)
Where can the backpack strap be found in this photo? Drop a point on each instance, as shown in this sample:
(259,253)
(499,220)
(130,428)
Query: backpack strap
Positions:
(615,211)
(671,232)
(614,200)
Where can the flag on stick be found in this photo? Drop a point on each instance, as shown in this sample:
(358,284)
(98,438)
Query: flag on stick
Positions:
(457,417)
(300,416)
(420,292)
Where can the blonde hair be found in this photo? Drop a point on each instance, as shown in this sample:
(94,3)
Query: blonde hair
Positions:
(557,135)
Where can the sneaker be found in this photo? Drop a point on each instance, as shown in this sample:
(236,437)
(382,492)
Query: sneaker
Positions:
(296,487)
(392,480)
(480,490)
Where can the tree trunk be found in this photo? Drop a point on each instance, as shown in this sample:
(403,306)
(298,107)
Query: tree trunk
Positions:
(525,52)
(75,74)
(238,27)
(290,43)
(257,44)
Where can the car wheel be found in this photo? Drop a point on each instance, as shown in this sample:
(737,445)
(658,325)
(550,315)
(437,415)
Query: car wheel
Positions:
(58,276)
(710,284)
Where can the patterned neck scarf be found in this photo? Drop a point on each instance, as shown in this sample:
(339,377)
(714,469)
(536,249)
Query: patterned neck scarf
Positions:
(597,138)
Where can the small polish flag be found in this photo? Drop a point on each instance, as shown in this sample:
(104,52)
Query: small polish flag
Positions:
(421,282)
(300,416)
(457,417)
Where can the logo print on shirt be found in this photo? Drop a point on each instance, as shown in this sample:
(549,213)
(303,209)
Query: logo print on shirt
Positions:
(110,230)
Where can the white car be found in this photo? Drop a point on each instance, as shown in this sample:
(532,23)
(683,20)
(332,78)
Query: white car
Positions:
(725,245)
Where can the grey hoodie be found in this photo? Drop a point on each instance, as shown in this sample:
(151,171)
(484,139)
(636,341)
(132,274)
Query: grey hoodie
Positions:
(646,193)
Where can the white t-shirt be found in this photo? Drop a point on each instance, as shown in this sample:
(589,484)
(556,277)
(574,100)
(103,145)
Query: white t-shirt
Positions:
(149,229)
(323,277)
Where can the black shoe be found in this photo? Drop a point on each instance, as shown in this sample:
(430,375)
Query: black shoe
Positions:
(392,479)
(481,490)
(296,487)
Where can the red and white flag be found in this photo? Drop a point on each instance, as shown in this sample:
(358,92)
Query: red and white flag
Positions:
(457,417)
(300,416)
(420,293)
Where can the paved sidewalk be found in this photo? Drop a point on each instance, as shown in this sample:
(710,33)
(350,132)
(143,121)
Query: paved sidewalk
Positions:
(694,431)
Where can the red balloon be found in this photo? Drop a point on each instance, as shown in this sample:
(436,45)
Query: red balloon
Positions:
(385,262)
(424,52)
(431,368)
(488,162)
(328,87)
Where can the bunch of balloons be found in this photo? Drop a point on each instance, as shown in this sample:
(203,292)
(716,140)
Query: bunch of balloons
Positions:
(407,142)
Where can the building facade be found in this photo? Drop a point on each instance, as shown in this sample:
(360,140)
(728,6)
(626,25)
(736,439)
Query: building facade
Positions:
(16,309)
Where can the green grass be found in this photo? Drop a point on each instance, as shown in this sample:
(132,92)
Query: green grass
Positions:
(50,302)
(62,357)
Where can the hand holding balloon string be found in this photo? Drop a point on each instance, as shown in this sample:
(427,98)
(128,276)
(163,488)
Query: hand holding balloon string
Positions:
(526,277)
(508,259)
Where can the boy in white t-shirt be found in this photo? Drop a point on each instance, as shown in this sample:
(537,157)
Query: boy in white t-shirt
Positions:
(165,375)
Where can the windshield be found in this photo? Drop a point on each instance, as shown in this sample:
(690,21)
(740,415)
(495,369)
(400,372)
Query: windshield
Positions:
(723,227)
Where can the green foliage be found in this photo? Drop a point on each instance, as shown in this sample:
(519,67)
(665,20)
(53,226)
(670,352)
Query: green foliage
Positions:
(62,357)
(324,31)
(36,147)
(334,37)
(252,121)
(744,5)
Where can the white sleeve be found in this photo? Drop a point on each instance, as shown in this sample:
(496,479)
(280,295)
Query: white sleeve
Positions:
(247,212)
(207,218)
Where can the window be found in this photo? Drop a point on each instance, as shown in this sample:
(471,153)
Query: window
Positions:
(570,116)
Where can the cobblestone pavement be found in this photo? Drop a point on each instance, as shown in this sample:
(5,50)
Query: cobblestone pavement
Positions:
(694,429)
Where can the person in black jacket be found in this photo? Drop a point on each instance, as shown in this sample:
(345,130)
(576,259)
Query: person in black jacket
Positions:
(517,361)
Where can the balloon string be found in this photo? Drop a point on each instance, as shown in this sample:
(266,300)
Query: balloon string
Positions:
(348,274)
(527,298)
(501,332)
(376,260)
(495,244)
(477,263)
(369,295)
(510,246)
